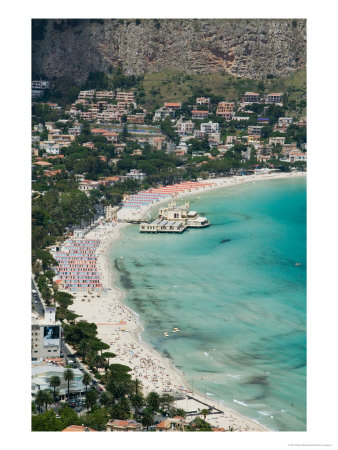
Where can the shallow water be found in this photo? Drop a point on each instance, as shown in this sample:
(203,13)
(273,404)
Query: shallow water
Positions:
(235,292)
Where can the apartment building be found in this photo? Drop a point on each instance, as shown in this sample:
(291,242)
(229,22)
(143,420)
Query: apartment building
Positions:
(275,97)
(46,336)
(105,94)
(184,128)
(200,115)
(128,97)
(225,109)
(86,94)
(255,129)
(277,140)
(172,105)
(251,97)
(203,101)
(40,84)
(209,127)
(285,121)
(136,118)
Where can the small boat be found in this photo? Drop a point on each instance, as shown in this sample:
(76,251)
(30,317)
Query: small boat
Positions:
(176,330)
(166,334)
(298,264)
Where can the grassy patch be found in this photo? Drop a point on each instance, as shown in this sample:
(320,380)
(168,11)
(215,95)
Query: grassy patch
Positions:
(178,86)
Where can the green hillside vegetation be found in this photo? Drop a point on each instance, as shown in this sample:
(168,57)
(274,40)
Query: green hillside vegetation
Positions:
(178,86)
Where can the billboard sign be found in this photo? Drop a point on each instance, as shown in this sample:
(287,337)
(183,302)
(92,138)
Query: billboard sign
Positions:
(51,335)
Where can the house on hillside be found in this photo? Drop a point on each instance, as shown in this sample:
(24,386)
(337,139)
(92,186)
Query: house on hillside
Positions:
(198,114)
(225,109)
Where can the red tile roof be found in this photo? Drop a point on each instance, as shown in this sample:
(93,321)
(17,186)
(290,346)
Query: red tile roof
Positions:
(163,424)
(78,428)
(43,163)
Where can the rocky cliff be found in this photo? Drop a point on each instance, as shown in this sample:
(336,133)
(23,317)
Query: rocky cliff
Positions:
(244,48)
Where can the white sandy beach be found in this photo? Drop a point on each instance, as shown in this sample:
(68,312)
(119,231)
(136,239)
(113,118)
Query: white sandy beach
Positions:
(118,325)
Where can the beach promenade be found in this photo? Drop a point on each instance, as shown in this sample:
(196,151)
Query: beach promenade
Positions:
(120,327)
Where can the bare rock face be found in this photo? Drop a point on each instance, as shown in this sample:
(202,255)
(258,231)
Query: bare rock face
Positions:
(244,48)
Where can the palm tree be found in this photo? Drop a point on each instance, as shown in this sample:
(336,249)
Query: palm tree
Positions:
(167,400)
(40,399)
(91,359)
(91,397)
(147,418)
(48,398)
(137,383)
(68,376)
(124,408)
(153,401)
(106,399)
(137,402)
(54,382)
(204,413)
(98,361)
(86,380)
(83,348)
(180,412)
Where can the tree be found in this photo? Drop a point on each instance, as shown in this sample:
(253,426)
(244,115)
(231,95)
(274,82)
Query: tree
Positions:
(123,407)
(153,401)
(180,412)
(83,348)
(96,419)
(91,397)
(204,412)
(40,399)
(106,399)
(54,382)
(86,380)
(147,418)
(199,424)
(68,376)
(167,400)
(137,384)
(48,398)
(108,355)
(137,402)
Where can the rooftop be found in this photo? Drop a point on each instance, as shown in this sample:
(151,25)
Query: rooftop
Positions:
(78,428)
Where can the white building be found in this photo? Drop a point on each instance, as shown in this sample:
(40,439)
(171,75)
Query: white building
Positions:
(53,150)
(210,127)
(87,185)
(277,140)
(285,121)
(46,336)
(41,374)
(184,128)
(255,129)
(40,84)
(136,174)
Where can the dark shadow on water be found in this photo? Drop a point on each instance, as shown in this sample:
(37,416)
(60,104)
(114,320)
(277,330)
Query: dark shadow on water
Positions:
(223,241)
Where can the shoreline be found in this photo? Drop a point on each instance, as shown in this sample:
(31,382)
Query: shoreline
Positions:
(120,327)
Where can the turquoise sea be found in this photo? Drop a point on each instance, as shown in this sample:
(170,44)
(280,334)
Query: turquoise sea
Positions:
(235,291)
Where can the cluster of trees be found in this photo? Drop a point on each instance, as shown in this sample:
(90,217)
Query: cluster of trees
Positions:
(56,210)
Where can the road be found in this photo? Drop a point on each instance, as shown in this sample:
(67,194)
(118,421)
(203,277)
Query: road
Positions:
(37,304)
